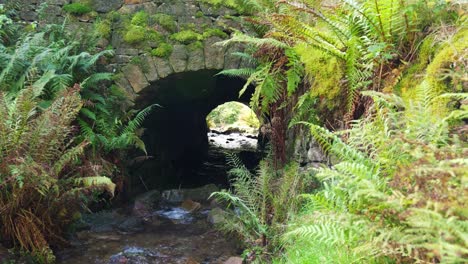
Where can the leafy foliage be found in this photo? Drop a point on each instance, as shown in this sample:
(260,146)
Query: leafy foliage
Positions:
(41,182)
(77,8)
(259,204)
(47,170)
(233,116)
(396,189)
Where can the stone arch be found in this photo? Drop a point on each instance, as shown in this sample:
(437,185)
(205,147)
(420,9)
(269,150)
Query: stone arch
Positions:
(136,77)
(176,134)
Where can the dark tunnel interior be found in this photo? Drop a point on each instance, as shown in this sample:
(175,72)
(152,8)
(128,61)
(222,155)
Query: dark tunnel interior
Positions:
(176,133)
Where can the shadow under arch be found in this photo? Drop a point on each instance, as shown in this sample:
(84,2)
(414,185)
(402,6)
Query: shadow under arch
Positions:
(176,134)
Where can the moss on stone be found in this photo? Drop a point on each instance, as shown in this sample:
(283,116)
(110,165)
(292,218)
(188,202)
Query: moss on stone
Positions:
(77,8)
(440,66)
(327,72)
(155,36)
(233,116)
(103,28)
(166,21)
(163,51)
(199,14)
(232,4)
(186,36)
(214,32)
(140,19)
(134,34)
(138,61)
(195,45)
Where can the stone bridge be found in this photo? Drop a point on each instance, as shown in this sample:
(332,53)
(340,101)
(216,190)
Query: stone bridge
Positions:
(136,66)
(164,54)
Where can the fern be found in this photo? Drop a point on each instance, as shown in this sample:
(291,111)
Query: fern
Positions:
(35,187)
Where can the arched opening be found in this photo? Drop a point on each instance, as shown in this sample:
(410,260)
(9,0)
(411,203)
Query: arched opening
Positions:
(233,126)
(176,135)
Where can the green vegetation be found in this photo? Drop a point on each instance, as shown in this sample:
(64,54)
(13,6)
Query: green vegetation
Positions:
(238,5)
(214,32)
(60,147)
(77,8)
(186,36)
(259,204)
(137,30)
(392,191)
(233,116)
(39,195)
(135,34)
(140,18)
(164,50)
(379,86)
(395,190)
(103,28)
(166,21)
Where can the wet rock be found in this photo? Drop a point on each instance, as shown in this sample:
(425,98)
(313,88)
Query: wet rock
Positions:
(173,196)
(196,60)
(178,58)
(234,260)
(191,206)
(135,255)
(214,55)
(216,216)
(176,215)
(131,224)
(151,72)
(163,67)
(200,194)
(146,203)
(102,222)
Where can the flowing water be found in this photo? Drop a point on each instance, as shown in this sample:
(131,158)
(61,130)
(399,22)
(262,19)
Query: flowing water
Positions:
(170,235)
(166,233)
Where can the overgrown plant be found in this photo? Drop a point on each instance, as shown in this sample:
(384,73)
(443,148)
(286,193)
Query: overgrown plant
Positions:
(258,205)
(51,60)
(41,181)
(398,186)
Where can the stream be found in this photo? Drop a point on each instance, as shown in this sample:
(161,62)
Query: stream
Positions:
(172,226)
(169,235)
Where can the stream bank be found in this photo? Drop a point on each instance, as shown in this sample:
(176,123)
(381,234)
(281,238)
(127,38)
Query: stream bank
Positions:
(173,226)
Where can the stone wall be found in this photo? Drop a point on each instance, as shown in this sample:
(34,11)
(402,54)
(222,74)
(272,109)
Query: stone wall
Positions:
(136,69)
(133,63)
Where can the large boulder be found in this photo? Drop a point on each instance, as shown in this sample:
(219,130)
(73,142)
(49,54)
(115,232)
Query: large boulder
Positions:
(191,206)
(216,216)
(146,203)
(200,194)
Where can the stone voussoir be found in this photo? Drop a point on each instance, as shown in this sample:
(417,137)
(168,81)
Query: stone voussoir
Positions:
(135,77)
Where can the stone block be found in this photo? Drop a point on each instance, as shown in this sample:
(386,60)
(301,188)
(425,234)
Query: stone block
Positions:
(196,60)
(151,72)
(163,67)
(135,77)
(178,58)
(214,54)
